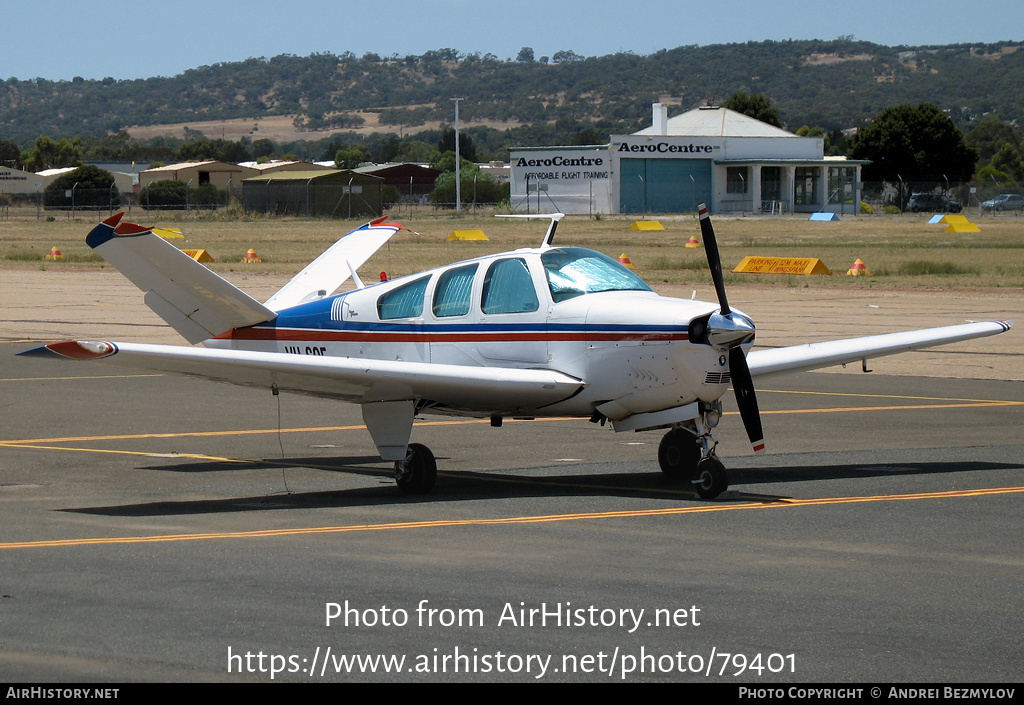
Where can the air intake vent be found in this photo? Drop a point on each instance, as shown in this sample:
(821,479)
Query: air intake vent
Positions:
(717,378)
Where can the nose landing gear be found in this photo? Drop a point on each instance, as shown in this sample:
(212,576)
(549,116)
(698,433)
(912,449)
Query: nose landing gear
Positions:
(687,452)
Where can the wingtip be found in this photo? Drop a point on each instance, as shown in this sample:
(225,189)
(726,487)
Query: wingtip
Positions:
(73,349)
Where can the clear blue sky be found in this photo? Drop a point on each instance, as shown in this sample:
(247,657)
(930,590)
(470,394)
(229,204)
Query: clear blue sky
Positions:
(60,39)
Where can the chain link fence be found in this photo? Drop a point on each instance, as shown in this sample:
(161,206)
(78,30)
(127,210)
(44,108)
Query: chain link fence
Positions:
(940,196)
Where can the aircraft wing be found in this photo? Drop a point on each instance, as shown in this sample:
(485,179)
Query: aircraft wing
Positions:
(326,273)
(194,301)
(813,356)
(356,380)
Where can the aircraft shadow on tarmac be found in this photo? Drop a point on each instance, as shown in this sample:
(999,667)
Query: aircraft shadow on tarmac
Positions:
(482,485)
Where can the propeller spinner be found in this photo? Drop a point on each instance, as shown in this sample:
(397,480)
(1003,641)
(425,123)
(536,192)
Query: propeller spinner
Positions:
(727,330)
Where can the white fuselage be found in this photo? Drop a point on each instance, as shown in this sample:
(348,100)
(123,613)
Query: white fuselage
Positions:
(517,310)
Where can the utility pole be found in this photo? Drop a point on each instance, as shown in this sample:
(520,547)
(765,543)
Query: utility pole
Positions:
(458,160)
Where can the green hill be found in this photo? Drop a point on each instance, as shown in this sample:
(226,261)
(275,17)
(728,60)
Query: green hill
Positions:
(830,84)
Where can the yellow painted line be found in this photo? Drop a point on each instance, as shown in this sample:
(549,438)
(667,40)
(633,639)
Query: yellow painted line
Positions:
(878,396)
(4,444)
(61,379)
(897,407)
(446,523)
(35,442)
(254,432)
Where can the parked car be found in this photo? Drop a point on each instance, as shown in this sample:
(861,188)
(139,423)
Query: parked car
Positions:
(1005,202)
(933,203)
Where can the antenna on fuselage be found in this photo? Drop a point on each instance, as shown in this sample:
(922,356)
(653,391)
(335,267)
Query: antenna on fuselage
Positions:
(549,236)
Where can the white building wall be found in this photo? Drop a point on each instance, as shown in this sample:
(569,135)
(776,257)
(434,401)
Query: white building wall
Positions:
(563,179)
(20,182)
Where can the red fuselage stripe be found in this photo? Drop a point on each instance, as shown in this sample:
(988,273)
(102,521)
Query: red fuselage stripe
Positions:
(275,334)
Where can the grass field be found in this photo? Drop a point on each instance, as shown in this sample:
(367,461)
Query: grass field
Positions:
(900,251)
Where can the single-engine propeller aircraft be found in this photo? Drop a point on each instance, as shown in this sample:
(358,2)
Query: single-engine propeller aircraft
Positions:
(551,331)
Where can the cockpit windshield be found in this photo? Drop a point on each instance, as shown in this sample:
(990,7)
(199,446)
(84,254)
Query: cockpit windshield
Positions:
(574,271)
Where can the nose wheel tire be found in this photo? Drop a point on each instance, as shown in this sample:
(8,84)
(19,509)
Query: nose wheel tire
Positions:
(711,479)
(418,472)
(679,454)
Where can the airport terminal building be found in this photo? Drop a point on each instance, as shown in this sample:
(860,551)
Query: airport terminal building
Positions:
(711,155)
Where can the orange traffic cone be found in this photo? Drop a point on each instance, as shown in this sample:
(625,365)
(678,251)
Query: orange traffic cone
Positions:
(692,242)
(624,261)
(858,269)
(54,254)
(251,257)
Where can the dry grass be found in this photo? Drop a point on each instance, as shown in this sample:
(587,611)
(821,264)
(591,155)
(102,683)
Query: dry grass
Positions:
(900,251)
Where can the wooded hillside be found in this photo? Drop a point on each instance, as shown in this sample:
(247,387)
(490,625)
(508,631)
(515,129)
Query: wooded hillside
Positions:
(828,84)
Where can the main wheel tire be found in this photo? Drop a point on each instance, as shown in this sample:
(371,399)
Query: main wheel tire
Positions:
(418,472)
(679,454)
(711,479)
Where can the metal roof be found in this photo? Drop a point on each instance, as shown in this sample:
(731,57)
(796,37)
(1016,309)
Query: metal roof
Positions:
(308,174)
(715,121)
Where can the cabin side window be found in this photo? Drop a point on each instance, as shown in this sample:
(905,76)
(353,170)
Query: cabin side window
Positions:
(508,288)
(453,292)
(404,302)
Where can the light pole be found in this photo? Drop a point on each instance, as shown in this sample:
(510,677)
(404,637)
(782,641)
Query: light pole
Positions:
(458,160)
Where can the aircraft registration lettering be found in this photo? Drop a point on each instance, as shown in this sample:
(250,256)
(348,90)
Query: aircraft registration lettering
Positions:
(308,350)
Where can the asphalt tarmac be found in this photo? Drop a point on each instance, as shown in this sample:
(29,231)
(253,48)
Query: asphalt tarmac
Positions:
(158,528)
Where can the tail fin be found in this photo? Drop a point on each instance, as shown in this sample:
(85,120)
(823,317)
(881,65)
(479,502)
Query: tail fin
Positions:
(326,273)
(193,300)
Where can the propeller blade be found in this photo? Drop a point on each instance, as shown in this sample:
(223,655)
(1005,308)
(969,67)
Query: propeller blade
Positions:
(714,259)
(743,385)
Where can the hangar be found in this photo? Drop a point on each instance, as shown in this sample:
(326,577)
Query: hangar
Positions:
(712,155)
(324,193)
(220,174)
(413,181)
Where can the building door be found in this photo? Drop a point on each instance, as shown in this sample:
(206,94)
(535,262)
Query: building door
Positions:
(664,185)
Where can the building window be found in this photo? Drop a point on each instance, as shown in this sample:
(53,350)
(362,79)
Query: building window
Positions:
(841,183)
(806,186)
(736,179)
(771,183)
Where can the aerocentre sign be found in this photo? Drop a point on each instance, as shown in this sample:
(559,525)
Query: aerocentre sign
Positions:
(666,147)
(560,165)
(568,179)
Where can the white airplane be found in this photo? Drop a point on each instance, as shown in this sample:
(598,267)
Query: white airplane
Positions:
(551,331)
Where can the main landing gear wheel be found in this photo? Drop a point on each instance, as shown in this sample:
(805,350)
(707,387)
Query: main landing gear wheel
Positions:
(711,480)
(679,454)
(418,472)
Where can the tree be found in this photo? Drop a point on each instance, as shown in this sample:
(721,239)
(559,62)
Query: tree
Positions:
(10,154)
(989,136)
(466,148)
(262,148)
(754,105)
(50,154)
(218,149)
(477,187)
(1009,160)
(587,137)
(350,157)
(525,55)
(566,56)
(913,143)
(85,187)
(416,151)
(176,195)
